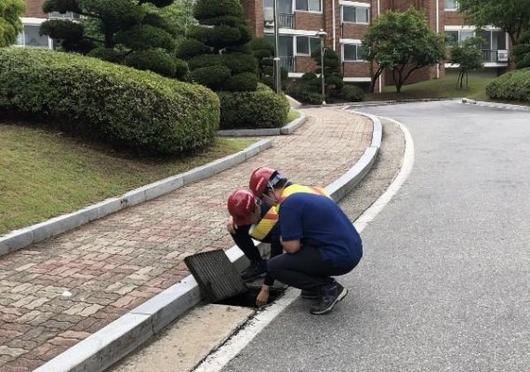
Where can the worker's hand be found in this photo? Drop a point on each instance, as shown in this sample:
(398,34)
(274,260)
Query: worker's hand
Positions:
(263,296)
(231,226)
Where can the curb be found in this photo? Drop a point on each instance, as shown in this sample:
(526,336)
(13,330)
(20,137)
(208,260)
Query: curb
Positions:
(21,238)
(347,105)
(113,342)
(286,129)
(505,106)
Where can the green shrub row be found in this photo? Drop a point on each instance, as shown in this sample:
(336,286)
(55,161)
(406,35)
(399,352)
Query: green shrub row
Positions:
(260,109)
(513,86)
(128,108)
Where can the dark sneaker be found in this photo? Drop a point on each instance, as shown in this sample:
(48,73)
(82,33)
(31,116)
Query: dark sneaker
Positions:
(310,294)
(330,295)
(256,270)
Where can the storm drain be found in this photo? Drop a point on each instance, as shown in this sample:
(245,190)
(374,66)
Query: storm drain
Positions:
(217,277)
(220,282)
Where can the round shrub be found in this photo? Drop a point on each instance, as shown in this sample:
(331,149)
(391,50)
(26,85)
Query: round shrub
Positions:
(514,86)
(190,48)
(222,20)
(142,37)
(262,44)
(352,93)
(204,9)
(260,109)
(107,54)
(244,82)
(218,36)
(239,62)
(204,60)
(181,69)
(212,76)
(156,20)
(154,60)
(60,29)
(128,108)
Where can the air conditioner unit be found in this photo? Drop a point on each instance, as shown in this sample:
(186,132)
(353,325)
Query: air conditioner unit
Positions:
(268,14)
(502,56)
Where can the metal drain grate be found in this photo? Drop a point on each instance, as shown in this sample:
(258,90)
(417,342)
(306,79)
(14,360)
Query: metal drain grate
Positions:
(217,277)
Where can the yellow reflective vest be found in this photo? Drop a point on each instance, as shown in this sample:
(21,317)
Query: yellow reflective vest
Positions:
(269,220)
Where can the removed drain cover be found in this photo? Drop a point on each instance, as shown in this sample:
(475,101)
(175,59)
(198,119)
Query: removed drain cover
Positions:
(217,277)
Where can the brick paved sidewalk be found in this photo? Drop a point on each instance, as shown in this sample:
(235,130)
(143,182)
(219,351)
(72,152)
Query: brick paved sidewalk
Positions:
(114,264)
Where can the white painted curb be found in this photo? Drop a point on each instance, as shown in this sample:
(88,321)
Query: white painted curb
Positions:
(26,236)
(286,129)
(110,344)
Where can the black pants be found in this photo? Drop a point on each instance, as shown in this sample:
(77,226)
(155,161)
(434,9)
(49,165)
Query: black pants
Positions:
(244,241)
(306,269)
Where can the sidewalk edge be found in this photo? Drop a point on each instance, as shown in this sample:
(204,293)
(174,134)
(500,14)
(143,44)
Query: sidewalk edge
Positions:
(506,106)
(23,237)
(102,349)
(287,129)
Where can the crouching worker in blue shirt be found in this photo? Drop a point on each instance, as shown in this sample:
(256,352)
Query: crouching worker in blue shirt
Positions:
(319,242)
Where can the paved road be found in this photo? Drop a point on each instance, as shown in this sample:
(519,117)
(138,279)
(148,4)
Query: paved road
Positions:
(444,284)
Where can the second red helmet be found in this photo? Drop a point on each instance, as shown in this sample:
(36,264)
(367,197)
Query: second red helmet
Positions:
(259,179)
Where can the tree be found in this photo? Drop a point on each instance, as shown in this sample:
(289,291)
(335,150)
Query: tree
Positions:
(121,31)
(217,49)
(180,16)
(512,16)
(10,24)
(469,57)
(521,51)
(402,43)
(333,81)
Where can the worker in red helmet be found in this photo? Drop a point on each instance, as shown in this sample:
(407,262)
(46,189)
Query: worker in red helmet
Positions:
(246,213)
(318,238)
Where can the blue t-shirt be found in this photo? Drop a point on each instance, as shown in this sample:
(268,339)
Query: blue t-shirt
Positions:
(317,220)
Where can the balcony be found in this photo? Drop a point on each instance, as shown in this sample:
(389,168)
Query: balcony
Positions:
(288,63)
(285,20)
(494,56)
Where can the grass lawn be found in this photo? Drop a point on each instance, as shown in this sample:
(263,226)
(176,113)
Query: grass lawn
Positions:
(439,88)
(45,174)
(293,114)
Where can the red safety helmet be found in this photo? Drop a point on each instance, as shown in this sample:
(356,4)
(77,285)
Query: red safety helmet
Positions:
(241,204)
(259,179)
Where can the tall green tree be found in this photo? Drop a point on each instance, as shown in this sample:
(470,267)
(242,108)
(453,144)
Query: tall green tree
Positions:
(401,42)
(468,56)
(10,24)
(512,16)
(121,31)
(217,49)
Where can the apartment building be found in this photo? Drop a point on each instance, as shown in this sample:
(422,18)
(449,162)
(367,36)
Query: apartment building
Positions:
(346,22)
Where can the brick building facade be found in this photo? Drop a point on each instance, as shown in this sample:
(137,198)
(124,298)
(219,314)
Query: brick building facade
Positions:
(345,23)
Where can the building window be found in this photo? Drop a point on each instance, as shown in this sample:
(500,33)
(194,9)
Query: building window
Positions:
(307,45)
(451,5)
(29,37)
(352,53)
(355,14)
(309,5)
(457,37)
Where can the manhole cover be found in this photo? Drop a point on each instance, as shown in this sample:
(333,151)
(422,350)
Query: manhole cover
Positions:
(217,277)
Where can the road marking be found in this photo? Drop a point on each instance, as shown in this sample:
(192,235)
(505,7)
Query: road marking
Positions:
(233,346)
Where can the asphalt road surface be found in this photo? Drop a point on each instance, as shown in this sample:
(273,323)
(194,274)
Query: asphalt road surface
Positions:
(444,284)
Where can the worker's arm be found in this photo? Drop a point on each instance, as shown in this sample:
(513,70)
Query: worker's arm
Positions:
(291,246)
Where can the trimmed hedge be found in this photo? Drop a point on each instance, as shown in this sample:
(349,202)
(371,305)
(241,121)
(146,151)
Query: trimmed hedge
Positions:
(514,86)
(352,93)
(128,108)
(260,109)
(153,60)
(211,76)
(244,82)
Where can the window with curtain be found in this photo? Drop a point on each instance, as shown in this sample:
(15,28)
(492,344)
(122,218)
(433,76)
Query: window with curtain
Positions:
(352,52)
(451,4)
(354,14)
(309,5)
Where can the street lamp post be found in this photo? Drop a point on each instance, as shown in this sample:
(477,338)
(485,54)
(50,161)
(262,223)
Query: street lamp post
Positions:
(276,65)
(322,35)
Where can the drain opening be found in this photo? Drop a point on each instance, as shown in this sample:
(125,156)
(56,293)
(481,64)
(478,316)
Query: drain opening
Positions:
(248,298)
